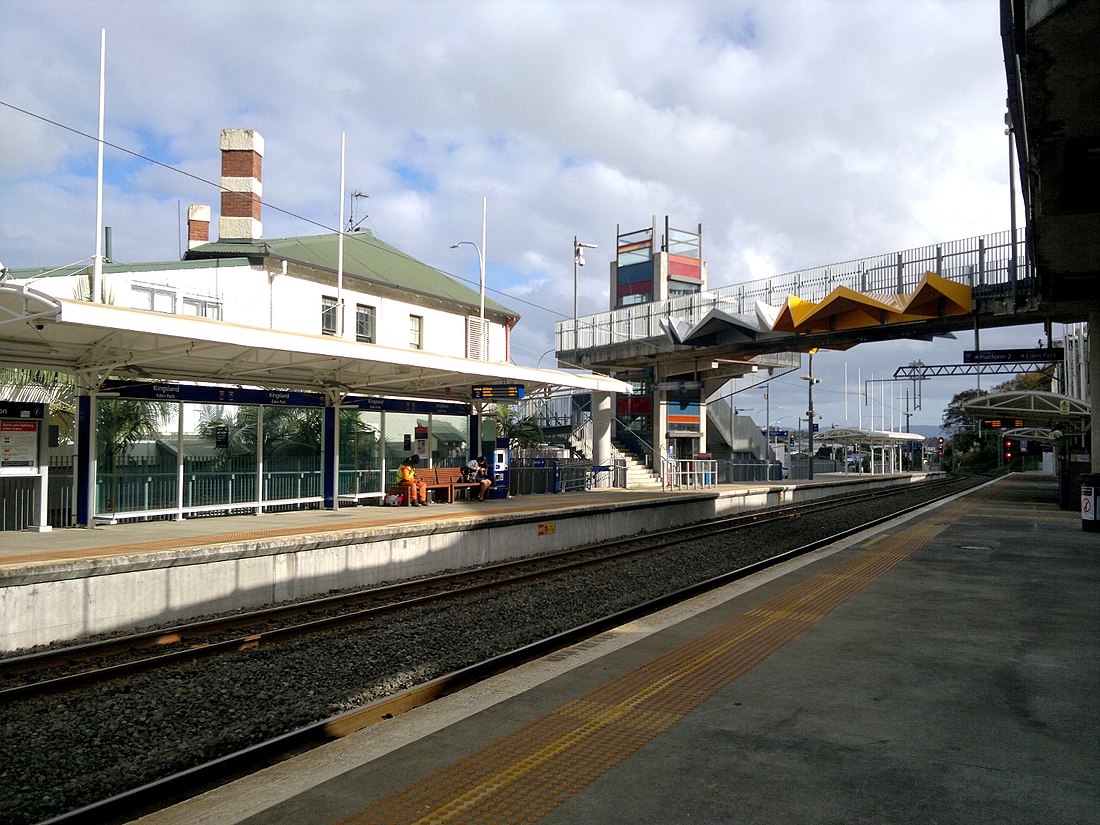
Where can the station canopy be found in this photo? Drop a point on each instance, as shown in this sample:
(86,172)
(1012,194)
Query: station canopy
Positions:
(867,438)
(1044,410)
(38,331)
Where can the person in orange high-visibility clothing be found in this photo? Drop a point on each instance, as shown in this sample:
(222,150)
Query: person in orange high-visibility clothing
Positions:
(417,491)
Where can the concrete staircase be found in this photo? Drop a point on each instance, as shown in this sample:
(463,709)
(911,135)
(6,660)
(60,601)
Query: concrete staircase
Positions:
(638,476)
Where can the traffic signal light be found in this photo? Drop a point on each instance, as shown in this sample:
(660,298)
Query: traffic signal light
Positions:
(1008,449)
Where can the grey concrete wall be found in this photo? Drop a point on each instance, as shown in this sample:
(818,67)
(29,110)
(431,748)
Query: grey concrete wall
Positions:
(71,600)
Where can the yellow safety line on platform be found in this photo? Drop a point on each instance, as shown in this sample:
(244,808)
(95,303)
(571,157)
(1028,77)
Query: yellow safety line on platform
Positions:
(1028,516)
(526,774)
(192,542)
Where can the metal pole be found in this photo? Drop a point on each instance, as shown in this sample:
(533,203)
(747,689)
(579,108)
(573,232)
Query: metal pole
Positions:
(768,419)
(340,250)
(97,264)
(1011,202)
(576,255)
(484,348)
(810,418)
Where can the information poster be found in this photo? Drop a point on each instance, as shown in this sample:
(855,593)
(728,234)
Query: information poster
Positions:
(18,444)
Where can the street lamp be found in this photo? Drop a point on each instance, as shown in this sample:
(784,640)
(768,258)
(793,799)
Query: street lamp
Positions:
(481,313)
(810,412)
(578,260)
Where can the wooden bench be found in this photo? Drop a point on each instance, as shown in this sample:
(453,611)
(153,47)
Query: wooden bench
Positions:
(453,477)
(447,479)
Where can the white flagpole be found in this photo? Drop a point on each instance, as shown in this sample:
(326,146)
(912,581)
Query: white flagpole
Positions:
(97,265)
(859,393)
(340,248)
(481,315)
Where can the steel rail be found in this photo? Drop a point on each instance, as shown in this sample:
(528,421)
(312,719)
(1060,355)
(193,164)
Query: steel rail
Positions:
(569,559)
(165,791)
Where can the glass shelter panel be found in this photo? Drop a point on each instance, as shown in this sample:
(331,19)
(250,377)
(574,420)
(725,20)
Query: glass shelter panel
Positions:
(450,435)
(401,439)
(136,447)
(292,453)
(360,453)
(220,459)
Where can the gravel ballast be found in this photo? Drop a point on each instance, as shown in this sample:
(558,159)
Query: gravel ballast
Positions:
(61,752)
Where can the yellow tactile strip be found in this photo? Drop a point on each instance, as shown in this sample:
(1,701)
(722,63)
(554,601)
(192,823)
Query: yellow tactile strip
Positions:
(526,774)
(407,516)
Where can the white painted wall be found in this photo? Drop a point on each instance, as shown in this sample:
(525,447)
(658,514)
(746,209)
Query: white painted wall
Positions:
(252,297)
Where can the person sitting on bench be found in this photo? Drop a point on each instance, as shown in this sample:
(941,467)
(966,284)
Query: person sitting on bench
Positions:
(417,491)
(483,477)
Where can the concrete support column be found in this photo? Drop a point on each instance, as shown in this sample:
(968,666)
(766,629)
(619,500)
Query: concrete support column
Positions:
(601,434)
(660,421)
(1094,387)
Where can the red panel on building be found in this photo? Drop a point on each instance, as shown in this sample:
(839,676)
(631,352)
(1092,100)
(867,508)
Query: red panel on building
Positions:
(634,405)
(685,267)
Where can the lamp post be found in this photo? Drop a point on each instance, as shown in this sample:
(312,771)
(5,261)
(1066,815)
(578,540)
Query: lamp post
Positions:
(809,378)
(481,310)
(578,260)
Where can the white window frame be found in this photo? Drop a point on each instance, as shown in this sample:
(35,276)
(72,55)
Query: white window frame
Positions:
(330,308)
(153,293)
(366,311)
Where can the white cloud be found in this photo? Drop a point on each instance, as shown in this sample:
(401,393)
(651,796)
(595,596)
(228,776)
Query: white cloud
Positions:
(797,133)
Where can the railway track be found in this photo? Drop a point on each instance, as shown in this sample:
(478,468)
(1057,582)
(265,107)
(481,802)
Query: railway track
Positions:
(433,673)
(64,668)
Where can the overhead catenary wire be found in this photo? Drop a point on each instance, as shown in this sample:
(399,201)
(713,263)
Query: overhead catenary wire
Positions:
(355,237)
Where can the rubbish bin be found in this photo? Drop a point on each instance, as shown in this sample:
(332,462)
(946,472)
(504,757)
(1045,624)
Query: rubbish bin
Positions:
(1090,485)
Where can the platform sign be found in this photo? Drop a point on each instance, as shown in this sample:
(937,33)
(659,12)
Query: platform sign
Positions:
(19,444)
(1002,423)
(1013,356)
(497,391)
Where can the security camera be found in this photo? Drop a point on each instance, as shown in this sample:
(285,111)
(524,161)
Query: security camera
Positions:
(39,327)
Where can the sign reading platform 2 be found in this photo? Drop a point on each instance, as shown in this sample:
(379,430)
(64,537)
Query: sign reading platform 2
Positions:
(497,391)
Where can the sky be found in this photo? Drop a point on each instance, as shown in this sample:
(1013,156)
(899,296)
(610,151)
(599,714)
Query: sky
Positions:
(798,133)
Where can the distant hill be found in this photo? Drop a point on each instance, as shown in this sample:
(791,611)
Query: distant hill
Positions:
(927,430)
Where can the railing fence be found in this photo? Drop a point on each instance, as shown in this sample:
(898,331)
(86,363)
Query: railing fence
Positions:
(979,262)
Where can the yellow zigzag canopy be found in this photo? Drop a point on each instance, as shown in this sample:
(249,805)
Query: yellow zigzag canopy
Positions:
(844,308)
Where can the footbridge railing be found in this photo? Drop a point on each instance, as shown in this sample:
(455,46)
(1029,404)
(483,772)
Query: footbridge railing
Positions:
(981,261)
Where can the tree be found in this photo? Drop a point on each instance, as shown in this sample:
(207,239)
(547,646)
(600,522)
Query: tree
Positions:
(520,431)
(955,419)
(288,431)
(122,422)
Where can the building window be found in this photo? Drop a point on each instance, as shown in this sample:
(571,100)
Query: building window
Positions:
(202,309)
(364,324)
(676,290)
(328,315)
(416,332)
(148,297)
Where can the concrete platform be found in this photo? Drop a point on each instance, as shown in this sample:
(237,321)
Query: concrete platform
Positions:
(942,669)
(68,584)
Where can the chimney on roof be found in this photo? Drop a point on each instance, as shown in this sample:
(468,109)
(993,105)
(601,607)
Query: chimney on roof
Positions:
(198,225)
(242,156)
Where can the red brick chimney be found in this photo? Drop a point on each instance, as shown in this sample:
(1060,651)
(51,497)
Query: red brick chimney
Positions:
(198,225)
(242,158)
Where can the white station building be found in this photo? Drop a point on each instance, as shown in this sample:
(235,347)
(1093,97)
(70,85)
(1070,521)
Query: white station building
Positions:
(254,351)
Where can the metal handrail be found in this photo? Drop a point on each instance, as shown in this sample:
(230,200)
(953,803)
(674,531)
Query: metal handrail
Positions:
(689,473)
(978,261)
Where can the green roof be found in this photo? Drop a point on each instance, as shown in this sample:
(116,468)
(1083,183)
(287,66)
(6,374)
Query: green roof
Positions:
(114,267)
(365,257)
